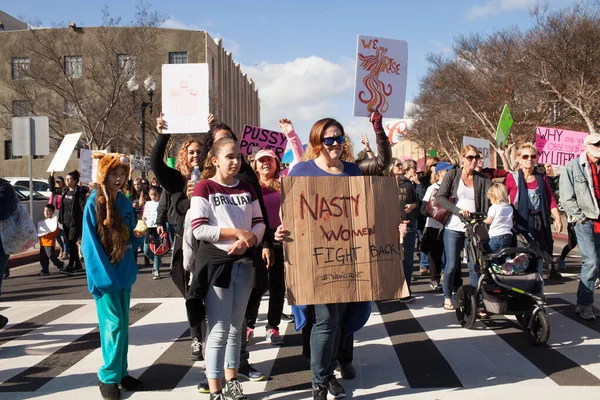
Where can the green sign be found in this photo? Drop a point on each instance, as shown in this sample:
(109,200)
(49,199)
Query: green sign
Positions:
(504,125)
(432,153)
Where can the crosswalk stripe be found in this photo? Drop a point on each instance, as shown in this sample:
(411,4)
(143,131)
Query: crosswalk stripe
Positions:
(562,306)
(38,318)
(49,367)
(477,356)
(422,362)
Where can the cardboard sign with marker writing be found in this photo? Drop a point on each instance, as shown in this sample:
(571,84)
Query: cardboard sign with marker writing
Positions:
(257,138)
(344,241)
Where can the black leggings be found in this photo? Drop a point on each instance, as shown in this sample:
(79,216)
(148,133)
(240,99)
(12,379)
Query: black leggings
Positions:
(571,244)
(73,247)
(276,294)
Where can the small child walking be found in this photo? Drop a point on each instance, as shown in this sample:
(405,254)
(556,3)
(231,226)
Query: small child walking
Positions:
(48,231)
(149,216)
(500,218)
(108,241)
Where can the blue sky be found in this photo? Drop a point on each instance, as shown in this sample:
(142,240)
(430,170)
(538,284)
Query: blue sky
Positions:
(302,54)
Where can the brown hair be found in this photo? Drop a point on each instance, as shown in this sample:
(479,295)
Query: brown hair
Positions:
(112,232)
(313,150)
(209,169)
(431,161)
(274,185)
(467,148)
(182,164)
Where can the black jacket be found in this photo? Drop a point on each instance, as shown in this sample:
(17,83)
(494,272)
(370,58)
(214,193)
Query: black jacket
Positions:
(8,203)
(449,186)
(76,210)
(407,194)
(375,166)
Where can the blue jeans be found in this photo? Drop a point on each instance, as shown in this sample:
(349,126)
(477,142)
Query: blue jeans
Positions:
(63,243)
(423,257)
(454,242)
(151,256)
(324,341)
(589,248)
(499,242)
(225,311)
(3,263)
(409,254)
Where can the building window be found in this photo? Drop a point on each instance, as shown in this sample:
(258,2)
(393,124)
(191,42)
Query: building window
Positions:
(74,66)
(179,57)
(21,108)
(126,63)
(20,67)
(8,154)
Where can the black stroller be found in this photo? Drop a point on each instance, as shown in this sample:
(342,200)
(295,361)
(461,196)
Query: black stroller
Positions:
(520,294)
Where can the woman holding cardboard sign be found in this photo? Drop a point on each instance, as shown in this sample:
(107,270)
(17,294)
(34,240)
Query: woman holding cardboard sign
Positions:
(330,154)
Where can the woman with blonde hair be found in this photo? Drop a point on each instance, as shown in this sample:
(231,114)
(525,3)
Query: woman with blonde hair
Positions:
(463,191)
(534,203)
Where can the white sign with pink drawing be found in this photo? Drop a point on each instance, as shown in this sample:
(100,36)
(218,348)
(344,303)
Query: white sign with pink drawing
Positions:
(185,103)
(381,68)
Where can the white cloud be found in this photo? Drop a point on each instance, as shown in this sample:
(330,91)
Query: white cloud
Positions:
(228,44)
(303,90)
(493,7)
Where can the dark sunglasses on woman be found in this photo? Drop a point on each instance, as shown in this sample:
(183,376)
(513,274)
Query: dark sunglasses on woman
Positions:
(527,156)
(329,141)
(471,158)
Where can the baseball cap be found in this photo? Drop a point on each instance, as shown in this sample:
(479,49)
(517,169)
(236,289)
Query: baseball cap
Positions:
(593,138)
(265,153)
(443,166)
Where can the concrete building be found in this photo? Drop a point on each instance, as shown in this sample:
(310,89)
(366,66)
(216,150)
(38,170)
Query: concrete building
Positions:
(233,95)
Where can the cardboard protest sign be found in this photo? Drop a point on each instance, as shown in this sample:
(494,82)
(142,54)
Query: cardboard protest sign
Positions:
(139,163)
(504,125)
(185,97)
(254,137)
(344,243)
(88,167)
(558,146)
(61,158)
(150,213)
(380,84)
(483,145)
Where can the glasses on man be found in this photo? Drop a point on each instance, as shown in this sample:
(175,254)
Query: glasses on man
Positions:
(329,141)
(471,158)
(527,156)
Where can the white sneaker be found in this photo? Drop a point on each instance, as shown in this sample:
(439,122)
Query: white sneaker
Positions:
(595,310)
(586,312)
(155,275)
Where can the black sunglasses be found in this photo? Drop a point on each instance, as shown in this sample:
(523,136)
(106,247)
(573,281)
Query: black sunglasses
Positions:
(398,165)
(329,141)
(471,158)
(527,156)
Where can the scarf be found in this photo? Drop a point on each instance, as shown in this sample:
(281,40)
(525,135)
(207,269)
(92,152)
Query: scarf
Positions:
(524,220)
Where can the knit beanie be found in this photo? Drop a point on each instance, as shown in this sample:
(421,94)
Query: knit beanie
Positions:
(106,163)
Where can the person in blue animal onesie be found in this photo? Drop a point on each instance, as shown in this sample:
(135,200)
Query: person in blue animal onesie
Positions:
(109,237)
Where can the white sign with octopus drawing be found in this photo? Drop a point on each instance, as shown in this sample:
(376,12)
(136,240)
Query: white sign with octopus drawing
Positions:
(381,68)
(185,102)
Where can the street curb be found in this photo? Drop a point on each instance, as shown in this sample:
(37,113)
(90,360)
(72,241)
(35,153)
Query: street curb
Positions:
(23,259)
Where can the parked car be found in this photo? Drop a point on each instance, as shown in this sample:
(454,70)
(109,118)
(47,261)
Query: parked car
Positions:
(39,185)
(39,202)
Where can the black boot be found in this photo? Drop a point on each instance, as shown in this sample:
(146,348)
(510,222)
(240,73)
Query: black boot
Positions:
(109,391)
(132,384)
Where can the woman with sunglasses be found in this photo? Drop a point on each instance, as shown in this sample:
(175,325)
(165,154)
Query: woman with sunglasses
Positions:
(463,191)
(532,198)
(329,153)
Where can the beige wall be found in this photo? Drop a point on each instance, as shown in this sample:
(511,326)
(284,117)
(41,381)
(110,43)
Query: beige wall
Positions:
(235,96)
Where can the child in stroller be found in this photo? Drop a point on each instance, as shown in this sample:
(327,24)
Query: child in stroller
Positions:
(502,289)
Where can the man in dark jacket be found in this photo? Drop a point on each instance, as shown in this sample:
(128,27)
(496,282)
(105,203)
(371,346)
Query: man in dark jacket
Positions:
(8,205)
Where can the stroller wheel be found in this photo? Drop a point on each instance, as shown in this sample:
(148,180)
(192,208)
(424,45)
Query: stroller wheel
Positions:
(466,310)
(538,331)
